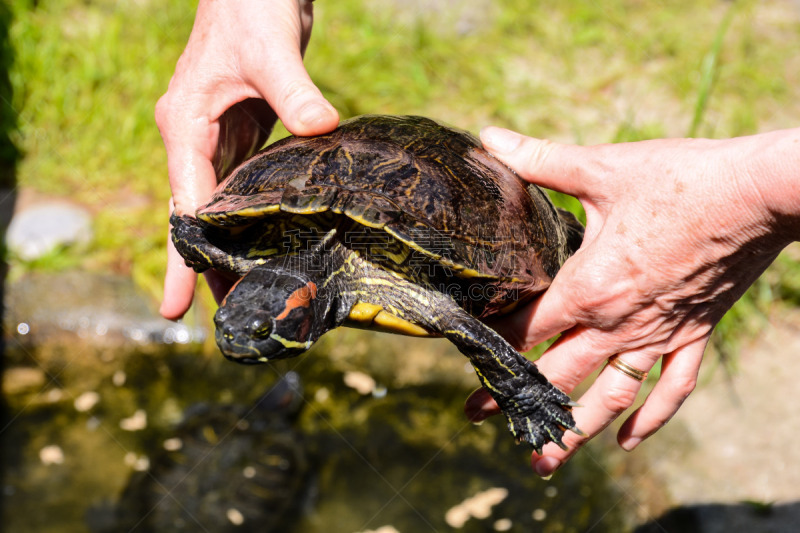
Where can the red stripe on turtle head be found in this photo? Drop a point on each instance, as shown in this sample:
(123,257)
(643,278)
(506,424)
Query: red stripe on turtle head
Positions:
(300,298)
(225,300)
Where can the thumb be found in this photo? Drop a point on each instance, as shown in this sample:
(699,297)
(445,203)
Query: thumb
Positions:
(285,84)
(546,163)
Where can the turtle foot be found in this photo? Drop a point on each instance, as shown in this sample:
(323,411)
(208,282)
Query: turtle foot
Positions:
(538,415)
(186,235)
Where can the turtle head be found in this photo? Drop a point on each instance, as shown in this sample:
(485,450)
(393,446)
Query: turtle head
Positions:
(268,315)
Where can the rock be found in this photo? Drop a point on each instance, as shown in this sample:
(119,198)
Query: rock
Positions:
(17,380)
(42,228)
(361,382)
(86,401)
(478,506)
(51,455)
(136,422)
(101,310)
(504,524)
(235,516)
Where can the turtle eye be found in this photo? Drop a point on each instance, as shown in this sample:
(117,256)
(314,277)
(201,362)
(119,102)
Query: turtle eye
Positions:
(260,328)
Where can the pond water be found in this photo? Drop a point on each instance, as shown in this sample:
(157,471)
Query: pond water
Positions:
(375,441)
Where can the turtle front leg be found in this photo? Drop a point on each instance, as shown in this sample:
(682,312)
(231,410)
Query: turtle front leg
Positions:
(190,238)
(536,411)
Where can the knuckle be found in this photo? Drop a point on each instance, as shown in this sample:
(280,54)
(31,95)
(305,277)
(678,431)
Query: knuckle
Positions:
(163,111)
(618,399)
(294,93)
(604,299)
(564,379)
(599,168)
(680,388)
(598,290)
(536,152)
(596,309)
(521,342)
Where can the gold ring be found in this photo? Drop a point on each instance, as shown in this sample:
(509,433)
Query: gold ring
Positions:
(616,363)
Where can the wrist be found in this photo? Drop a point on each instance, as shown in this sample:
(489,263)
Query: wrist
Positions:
(770,180)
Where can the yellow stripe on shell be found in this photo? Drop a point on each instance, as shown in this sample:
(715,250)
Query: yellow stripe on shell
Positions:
(304,211)
(364,222)
(397,258)
(508,308)
(247,212)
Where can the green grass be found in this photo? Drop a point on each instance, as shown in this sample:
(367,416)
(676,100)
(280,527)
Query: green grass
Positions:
(86,75)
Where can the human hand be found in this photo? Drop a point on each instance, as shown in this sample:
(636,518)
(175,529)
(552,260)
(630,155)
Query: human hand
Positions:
(242,69)
(676,231)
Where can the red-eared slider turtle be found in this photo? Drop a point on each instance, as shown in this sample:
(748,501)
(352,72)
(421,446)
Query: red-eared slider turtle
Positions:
(226,468)
(393,223)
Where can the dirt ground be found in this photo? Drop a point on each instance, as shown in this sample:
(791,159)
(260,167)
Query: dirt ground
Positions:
(729,460)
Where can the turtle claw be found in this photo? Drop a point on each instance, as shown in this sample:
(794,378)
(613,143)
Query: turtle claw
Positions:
(539,416)
(578,432)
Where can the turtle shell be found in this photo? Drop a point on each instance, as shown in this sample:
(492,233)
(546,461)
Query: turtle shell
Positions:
(430,186)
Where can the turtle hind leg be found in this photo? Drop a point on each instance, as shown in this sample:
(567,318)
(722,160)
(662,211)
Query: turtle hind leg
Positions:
(537,412)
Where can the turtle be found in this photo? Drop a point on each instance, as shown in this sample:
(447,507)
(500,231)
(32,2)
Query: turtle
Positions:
(226,468)
(393,223)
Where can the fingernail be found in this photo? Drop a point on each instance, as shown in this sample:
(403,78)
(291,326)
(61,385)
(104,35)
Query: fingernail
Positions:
(500,140)
(313,113)
(630,443)
(546,466)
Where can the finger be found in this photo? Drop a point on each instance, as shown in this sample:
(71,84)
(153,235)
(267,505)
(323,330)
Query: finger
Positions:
(678,378)
(179,284)
(610,395)
(557,309)
(190,145)
(569,361)
(575,355)
(218,284)
(480,405)
(190,140)
(552,165)
(282,80)
(547,316)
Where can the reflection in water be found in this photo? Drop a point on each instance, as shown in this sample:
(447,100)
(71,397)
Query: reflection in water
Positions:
(405,459)
(99,309)
(226,468)
(410,461)
(382,432)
